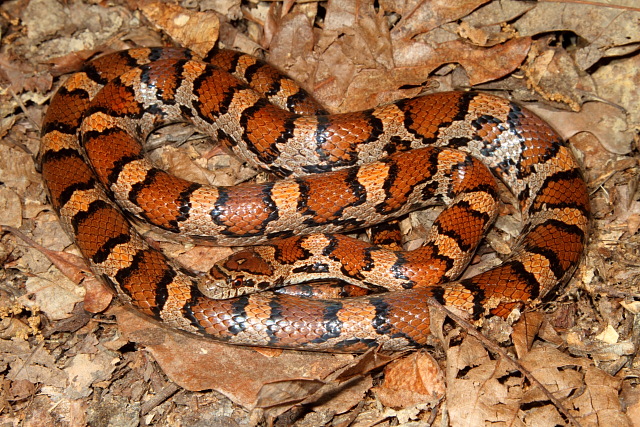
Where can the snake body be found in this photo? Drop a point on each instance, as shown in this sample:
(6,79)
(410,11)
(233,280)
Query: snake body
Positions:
(338,172)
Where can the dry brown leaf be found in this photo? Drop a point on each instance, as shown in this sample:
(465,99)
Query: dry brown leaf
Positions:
(606,122)
(98,296)
(86,369)
(202,258)
(427,15)
(341,397)
(618,82)
(36,365)
(367,362)
(606,31)
(198,30)
(237,372)
(597,399)
(359,64)
(17,390)
(525,331)
(414,379)
(491,17)
(328,397)
(286,392)
(22,76)
(72,266)
(70,62)
(11,208)
(551,72)
(479,388)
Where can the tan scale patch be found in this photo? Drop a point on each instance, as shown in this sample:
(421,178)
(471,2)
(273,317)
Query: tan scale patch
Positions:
(372,177)
(458,297)
(122,254)
(56,141)
(80,201)
(133,173)
(481,201)
(286,194)
(178,293)
(79,81)
(288,88)
(381,274)
(98,122)
(448,246)
(199,221)
(357,321)
(314,242)
(244,62)
(393,121)
(571,216)
(482,104)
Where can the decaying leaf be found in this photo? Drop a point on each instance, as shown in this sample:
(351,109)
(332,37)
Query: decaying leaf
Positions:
(198,30)
(411,380)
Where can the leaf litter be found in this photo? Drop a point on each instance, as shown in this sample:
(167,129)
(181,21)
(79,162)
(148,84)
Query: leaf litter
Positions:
(573,62)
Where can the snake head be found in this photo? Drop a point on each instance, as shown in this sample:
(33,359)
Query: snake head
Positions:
(244,272)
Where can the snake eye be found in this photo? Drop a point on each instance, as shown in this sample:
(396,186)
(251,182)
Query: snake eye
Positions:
(237,282)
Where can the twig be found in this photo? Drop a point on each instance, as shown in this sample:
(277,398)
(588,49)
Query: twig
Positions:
(594,3)
(160,397)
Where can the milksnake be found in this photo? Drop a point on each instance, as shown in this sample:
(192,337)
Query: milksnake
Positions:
(337,172)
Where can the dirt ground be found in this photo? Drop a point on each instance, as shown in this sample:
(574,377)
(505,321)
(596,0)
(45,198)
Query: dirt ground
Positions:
(71,356)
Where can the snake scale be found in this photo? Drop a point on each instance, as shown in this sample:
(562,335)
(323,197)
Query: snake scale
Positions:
(337,172)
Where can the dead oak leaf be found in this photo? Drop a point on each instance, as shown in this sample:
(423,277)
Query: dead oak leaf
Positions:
(237,372)
(481,64)
(409,381)
(197,30)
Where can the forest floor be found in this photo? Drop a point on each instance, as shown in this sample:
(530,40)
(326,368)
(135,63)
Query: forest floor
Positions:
(575,63)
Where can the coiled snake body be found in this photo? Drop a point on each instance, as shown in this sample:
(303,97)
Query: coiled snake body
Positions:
(340,172)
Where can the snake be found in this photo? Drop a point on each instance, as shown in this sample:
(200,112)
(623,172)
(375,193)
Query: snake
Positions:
(334,173)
